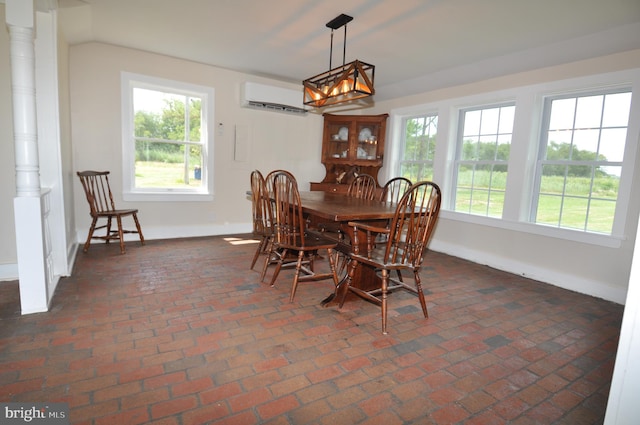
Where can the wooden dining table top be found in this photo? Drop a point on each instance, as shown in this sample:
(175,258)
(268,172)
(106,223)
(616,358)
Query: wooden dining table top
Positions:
(342,208)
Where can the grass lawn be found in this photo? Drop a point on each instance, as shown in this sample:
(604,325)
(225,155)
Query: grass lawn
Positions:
(164,174)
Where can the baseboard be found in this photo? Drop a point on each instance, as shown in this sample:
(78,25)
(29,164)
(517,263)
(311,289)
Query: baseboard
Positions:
(531,271)
(8,271)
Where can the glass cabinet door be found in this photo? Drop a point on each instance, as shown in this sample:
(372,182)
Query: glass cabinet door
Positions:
(367,138)
(338,140)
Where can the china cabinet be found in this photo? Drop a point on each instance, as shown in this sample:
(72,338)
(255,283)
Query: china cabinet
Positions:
(351,145)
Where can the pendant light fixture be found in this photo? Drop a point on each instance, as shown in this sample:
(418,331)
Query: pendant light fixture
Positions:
(344,83)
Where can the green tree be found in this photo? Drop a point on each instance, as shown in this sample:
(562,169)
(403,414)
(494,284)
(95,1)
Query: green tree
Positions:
(567,152)
(168,125)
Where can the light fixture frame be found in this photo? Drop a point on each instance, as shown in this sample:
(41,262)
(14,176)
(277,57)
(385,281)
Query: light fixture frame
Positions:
(345,83)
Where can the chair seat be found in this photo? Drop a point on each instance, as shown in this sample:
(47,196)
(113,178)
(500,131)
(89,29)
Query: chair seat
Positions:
(377,260)
(314,240)
(116,212)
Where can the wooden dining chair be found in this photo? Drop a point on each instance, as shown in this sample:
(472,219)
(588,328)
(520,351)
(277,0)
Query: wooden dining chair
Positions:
(408,237)
(272,251)
(392,192)
(262,213)
(363,187)
(101,206)
(393,189)
(291,235)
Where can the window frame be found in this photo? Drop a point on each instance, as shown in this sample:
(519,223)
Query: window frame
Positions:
(543,145)
(403,143)
(460,146)
(130,81)
(524,151)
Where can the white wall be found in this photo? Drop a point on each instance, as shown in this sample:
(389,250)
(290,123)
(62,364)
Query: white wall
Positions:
(293,142)
(276,140)
(68,174)
(8,256)
(595,266)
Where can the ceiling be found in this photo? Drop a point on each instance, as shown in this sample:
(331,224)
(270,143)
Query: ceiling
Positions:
(416,45)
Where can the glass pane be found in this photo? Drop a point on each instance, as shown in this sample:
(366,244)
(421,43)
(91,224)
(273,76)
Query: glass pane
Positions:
(574,213)
(589,112)
(562,111)
(195,119)
(496,203)
(612,173)
(432,126)
(578,181)
(463,199)
(504,147)
(158,115)
(559,145)
(469,149)
(465,176)
(408,170)
(489,124)
(165,165)
(601,214)
(487,148)
(499,177)
(616,110)
(471,123)
(585,145)
(612,142)
(553,179)
(415,127)
(427,148)
(549,207)
(482,176)
(507,114)
(426,173)
(479,202)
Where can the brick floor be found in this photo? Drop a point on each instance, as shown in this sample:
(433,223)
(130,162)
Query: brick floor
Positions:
(182,332)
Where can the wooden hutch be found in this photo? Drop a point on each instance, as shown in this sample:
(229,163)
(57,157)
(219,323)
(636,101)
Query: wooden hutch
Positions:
(351,145)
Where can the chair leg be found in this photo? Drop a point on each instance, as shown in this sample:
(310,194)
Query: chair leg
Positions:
(385,283)
(294,286)
(259,251)
(332,266)
(267,260)
(347,281)
(423,303)
(108,235)
(135,219)
(91,230)
(120,234)
(281,256)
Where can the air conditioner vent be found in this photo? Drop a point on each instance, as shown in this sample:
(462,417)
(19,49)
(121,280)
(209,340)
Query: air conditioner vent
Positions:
(270,98)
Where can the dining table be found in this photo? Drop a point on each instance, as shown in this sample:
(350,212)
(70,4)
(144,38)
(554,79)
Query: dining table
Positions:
(321,207)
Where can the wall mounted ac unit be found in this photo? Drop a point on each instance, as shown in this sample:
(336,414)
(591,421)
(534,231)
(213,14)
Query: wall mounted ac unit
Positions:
(278,99)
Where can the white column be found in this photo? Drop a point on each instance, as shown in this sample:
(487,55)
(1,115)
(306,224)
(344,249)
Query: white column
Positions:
(28,204)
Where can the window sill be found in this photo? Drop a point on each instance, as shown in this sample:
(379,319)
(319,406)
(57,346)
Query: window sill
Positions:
(167,197)
(608,241)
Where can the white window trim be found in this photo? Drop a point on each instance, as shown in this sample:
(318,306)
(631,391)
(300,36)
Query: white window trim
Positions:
(129,193)
(459,145)
(403,143)
(524,150)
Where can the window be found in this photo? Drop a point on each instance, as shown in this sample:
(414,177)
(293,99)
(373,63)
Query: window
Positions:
(580,160)
(419,147)
(484,142)
(166,145)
